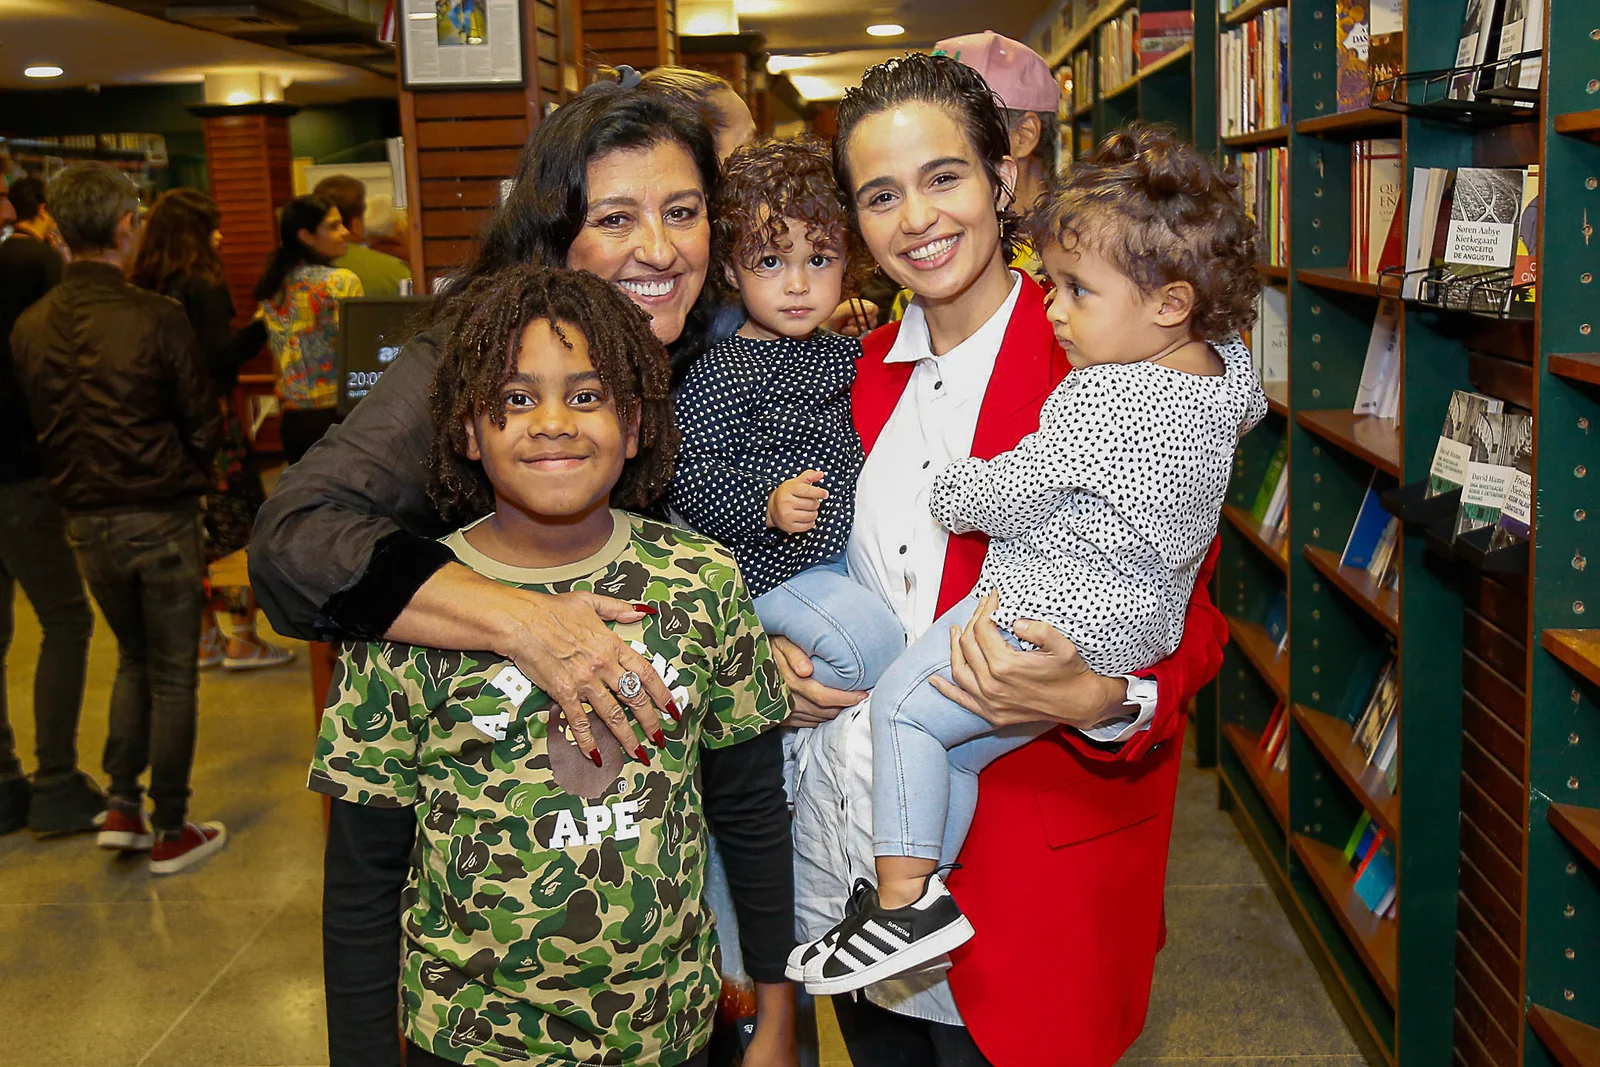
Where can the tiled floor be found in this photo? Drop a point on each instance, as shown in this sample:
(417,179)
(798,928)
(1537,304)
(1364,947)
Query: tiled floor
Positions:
(221,967)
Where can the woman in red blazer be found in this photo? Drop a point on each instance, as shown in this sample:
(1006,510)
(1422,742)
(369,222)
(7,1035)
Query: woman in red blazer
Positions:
(1063,869)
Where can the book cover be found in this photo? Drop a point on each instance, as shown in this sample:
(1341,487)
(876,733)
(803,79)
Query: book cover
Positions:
(1267,732)
(1356,835)
(1269,480)
(1427,185)
(1525,264)
(1350,34)
(1368,849)
(1367,531)
(1379,390)
(1278,505)
(1376,879)
(1380,707)
(1450,457)
(1521,30)
(1386,48)
(1493,444)
(1378,565)
(1441,225)
(1482,232)
(1385,180)
(1477,32)
(1388,747)
(1273,330)
(1516,515)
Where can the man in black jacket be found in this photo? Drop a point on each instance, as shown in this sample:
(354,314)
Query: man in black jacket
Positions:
(34,554)
(127,423)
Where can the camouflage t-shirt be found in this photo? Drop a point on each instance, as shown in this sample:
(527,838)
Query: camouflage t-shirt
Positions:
(554,910)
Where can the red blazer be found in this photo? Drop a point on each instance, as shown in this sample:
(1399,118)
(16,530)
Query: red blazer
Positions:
(1063,869)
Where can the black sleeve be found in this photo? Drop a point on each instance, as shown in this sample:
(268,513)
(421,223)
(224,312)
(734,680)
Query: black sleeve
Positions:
(749,814)
(364,873)
(347,538)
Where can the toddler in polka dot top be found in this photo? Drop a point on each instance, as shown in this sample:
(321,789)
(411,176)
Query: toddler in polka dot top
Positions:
(1098,521)
(769,456)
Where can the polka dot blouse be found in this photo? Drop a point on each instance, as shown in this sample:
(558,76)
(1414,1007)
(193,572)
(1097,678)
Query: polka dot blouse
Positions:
(1100,519)
(754,414)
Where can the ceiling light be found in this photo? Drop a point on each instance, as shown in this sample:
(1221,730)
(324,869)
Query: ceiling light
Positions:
(886,29)
(813,88)
(779,64)
(44,71)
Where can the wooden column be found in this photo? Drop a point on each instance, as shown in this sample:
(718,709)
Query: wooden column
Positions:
(740,60)
(461,143)
(640,33)
(247,157)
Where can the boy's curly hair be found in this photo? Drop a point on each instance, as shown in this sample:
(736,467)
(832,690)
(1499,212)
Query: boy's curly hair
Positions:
(480,355)
(769,181)
(1160,212)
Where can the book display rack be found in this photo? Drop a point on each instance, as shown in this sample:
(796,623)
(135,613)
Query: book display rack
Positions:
(1409,736)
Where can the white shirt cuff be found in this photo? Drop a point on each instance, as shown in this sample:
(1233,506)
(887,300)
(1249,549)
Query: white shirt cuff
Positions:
(1142,693)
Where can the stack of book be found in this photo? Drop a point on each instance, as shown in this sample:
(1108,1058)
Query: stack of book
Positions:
(1271,508)
(1276,752)
(1371,854)
(1082,83)
(1374,541)
(1377,731)
(1377,184)
(1119,51)
(1493,30)
(1254,66)
(1473,226)
(1370,43)
(1163,32)
(1378,393)
(1269,337)
(1264,187)
(1486,453)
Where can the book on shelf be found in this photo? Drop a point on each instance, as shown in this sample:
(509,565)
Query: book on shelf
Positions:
(1429,188)
(1353,84)
(1482,232)
(1119,50)
(1384,566)
(1386,50)
(1253,61)
(1521,30)
(1525,261)
(1367,531)
(1264,742)
(1263,179)
(1274,736)
(1269,337)
(1448,472)
(1375,878)
(1377,183)
(1381,704)
(1480,26)
(1277,464)
(1384,757)
(1279,537)
(1515,525)
(1495,441)
(1163,32)
(1280,757)
(1277,620)
(1360,837)
(1378,392)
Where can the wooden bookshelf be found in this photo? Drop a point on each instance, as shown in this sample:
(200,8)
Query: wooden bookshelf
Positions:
(1578,649)
(1241,520)
(1274,135)
(1275,271)
(1352,125)
(1086,31)
(1336,742)
(1375,939)
(1246,12)
(1573,1044)
(1578,366)
(1171,59)
(1372,439)
(1340,279)
(1354,582)
(1262,652)
(1585,124)
(1277,397)
(1272,785)
(1579,827)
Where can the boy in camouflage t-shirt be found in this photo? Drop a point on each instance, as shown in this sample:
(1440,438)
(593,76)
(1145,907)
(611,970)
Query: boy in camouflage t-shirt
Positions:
(553,911)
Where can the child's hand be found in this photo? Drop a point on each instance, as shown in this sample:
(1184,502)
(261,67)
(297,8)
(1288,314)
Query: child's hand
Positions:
(793,506)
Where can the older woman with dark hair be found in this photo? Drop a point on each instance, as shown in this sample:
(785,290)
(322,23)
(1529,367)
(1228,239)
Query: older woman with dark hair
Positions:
(616,183)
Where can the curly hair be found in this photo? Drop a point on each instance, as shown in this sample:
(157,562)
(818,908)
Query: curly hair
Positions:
(480,356)
(946,82)
(1160,212)
(176,247)
(764,184)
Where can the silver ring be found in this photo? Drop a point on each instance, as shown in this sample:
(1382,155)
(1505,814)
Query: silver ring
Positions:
(629,686)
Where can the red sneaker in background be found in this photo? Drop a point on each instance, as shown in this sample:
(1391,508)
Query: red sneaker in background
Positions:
(124,832)
(179,850)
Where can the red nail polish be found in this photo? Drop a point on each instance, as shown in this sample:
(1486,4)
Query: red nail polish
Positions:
(595,755)
(672,709)
(659,738)
(642,756)
(645,608)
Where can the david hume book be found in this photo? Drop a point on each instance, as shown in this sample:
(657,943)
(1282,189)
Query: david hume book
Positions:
(1478,28)
(1453,453)
(1495,441)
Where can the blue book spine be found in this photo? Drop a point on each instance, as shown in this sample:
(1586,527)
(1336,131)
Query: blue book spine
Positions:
(1366,533)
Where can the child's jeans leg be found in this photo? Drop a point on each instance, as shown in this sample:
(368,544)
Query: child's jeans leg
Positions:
(927,751)
(850,634)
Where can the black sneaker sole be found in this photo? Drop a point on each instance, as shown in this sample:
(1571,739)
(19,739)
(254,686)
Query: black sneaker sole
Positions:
(913,958)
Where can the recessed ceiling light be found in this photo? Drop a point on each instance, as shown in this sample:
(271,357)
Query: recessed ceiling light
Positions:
(885,29)
(44,71)
(421,16)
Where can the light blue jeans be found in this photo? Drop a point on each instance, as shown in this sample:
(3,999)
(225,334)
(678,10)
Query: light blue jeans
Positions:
(927,751)
(849,633)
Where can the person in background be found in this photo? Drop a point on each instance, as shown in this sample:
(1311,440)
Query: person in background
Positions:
(1029,98)
(386,227)
(710,97)
(8,214)
(34,553)
(113,376)
(380,274)
(178,257)
(300,293)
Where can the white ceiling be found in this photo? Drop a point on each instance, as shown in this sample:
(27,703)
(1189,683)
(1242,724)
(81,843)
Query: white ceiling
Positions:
(108,45)
(832,34)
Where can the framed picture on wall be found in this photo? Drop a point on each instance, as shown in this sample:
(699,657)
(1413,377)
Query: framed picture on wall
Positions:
(455,44)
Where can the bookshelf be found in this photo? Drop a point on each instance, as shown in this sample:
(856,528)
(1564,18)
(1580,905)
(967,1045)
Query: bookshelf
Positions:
(1489,957)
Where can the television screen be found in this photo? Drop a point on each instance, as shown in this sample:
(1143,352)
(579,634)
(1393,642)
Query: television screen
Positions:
(372,330)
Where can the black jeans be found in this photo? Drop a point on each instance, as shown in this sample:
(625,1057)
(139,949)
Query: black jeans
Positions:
(145,570)
(416,1056)
(876,1037)
(300,428)
(35,555)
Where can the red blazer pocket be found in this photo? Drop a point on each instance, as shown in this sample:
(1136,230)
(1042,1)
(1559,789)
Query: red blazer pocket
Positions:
(1093,807)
